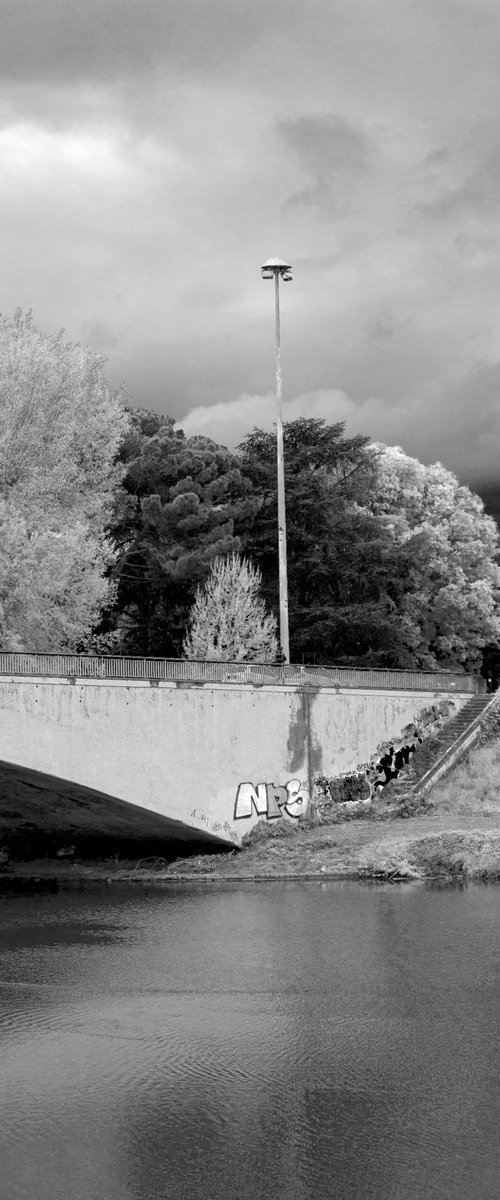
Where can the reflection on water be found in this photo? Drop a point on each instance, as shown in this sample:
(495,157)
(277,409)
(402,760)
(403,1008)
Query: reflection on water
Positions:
(276,1041)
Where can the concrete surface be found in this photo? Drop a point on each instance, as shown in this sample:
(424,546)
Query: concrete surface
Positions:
(208,759)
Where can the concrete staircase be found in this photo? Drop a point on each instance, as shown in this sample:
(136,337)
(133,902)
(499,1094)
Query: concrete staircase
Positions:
(448,746)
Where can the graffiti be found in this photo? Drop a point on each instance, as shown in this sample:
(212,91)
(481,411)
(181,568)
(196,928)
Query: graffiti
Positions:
(271,801)
(214,826)
(348,793)
(351,792)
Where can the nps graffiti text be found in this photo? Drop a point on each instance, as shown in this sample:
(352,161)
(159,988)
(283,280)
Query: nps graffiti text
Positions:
(271,800)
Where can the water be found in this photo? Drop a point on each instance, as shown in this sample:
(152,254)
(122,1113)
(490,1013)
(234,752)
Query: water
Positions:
(255,1042)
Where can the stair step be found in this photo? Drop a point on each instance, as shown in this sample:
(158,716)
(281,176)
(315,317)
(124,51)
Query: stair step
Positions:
(409,778)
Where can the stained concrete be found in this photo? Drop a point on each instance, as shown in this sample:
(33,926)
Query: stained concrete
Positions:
(179,754)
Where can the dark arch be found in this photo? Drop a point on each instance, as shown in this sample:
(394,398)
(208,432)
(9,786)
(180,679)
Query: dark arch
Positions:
(41,813)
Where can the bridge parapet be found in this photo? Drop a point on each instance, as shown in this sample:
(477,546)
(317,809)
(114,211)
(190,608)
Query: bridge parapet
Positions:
(79,666)
(203,749)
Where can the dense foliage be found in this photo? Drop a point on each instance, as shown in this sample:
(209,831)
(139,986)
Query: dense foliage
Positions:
(228,620)
(341,562)
(112,521)
(60,432)
(174,515)
(390,563)
(448,556)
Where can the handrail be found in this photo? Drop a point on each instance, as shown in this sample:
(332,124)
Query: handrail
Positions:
(186,671)
(447,758)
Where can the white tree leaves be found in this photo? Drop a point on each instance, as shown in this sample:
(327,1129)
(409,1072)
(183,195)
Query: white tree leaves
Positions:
(228,619)
(60,429)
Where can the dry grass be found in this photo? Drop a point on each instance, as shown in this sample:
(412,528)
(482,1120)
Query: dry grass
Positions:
(465,854)
(473,787)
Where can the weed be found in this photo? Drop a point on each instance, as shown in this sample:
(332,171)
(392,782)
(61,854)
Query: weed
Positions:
(473,786)
(473,855)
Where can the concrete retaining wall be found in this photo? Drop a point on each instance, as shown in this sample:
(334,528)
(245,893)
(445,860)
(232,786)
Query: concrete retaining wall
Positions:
(214,757)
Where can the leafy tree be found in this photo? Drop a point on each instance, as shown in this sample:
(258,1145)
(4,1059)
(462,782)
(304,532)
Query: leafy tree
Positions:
(390,563)
(228,619)
(175,514)
(340,558)
(448,559)
(52,587)
(60,430)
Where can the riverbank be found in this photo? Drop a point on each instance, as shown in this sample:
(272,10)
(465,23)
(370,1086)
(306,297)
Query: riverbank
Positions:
(422,847)
(456,836)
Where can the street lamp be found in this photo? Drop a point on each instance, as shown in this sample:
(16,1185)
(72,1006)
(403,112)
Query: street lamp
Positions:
(275,269)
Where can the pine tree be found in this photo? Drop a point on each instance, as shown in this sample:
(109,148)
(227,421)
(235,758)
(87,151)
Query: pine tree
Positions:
(175,514)
(228,620)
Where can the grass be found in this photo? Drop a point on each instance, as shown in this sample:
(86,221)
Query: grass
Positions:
(457,854)
(473,787)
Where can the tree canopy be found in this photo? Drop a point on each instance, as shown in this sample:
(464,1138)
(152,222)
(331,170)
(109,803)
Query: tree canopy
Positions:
(339,557)
(448,601)
(60,431)
(390,563)
(174,515)
(112,521)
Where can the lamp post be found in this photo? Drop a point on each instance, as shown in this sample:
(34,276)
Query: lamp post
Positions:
(276,269)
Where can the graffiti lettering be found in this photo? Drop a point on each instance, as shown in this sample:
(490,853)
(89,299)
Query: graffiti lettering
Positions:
(271,801)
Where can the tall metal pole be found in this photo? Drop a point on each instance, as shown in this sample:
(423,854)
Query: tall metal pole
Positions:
(283,576)
(275,267)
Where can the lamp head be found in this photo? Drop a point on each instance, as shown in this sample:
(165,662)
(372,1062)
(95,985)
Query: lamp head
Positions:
(276,266)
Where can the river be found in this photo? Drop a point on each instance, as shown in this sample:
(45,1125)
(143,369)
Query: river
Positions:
(269,1041)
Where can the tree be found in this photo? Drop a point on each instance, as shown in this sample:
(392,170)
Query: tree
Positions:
(174,514)
(228,619)
(339,555)
(447,560)
(60,430)
(52,586)
(390,563)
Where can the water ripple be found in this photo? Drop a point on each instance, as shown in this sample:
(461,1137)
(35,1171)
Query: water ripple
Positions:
(298,1044)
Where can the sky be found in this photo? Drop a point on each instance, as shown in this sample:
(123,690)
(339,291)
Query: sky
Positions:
(154,153)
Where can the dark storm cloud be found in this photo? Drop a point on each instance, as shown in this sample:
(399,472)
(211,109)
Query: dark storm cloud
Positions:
(154,152)
(479,192)
(63,40)
(471,436)
(331,151)
(101,40)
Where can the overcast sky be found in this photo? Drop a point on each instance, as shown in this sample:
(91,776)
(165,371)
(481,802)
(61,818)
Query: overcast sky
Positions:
(153,153)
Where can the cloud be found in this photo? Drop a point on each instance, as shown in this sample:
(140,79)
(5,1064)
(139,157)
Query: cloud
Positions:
(477,194)
(107,40)
(153,155)
(459,427)
(333,152)
(229,422)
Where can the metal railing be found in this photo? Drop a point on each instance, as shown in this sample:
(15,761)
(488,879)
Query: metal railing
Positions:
(81,666)
(448,758)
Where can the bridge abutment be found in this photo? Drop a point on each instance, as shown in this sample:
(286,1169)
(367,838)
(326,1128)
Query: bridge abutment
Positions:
(200,758)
